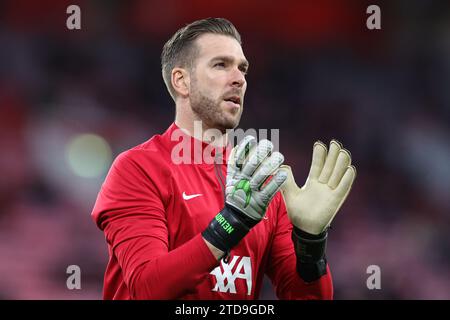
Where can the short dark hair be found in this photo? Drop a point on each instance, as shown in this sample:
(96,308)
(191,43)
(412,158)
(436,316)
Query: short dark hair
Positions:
(180,50)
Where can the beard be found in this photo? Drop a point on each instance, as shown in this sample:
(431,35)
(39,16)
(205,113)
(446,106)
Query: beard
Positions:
(210,112)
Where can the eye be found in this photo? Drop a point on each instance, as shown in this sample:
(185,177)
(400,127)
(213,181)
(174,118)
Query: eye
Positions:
(243,69)
(219,64)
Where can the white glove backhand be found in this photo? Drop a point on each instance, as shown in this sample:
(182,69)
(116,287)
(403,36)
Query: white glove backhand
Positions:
(313,207)
(249,166)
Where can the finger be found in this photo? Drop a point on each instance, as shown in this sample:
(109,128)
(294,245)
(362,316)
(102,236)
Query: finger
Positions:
(290,185)
(343,161)
(232,155)
(346,183)
(318,159)
(271,188)
(330,162)
(257,155)
(267,167)
(241,151)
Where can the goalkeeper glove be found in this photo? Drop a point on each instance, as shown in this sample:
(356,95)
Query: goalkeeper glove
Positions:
(247,194)
(312,207)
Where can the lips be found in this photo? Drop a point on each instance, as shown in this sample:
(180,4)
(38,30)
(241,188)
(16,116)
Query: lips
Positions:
(234,99)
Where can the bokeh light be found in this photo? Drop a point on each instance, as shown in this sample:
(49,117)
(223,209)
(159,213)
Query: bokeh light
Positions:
(88,155)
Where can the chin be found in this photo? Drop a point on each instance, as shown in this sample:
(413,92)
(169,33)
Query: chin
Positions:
(227,121)
(226,124)
(231,124)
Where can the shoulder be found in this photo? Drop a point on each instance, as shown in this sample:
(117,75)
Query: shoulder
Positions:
(151,154)
(146,165)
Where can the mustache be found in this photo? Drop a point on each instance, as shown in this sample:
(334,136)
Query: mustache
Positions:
(234,92)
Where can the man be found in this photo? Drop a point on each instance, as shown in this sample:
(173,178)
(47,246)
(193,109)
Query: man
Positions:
(202,230)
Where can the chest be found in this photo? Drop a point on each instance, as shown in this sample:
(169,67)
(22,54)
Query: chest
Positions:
(197,196)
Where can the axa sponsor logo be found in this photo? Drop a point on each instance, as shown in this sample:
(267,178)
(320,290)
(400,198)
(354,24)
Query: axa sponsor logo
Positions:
(237,268)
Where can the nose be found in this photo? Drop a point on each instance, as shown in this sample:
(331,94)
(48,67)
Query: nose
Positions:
(238,78)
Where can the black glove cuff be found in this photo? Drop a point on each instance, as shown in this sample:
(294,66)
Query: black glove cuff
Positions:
(310,251)
(227,228)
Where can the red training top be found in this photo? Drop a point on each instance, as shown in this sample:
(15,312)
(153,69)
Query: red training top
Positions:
(152,212)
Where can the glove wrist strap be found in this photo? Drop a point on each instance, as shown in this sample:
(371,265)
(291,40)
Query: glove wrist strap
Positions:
(227,229)
(310,251)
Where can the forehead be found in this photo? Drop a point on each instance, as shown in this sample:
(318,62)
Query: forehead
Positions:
(211,45)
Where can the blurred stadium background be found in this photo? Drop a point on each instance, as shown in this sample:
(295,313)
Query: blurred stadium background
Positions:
(70,101)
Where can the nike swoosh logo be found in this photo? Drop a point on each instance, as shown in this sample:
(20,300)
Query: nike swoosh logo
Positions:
(189,197)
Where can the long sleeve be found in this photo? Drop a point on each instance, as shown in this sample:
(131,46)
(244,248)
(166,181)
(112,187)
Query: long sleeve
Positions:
(130,210)
(282,266)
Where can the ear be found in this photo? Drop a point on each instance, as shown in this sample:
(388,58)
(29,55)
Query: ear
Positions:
(180,81)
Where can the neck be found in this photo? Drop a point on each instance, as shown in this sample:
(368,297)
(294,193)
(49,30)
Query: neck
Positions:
(186,120)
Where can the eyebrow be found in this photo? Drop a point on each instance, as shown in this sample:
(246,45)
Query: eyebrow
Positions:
(244,63)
